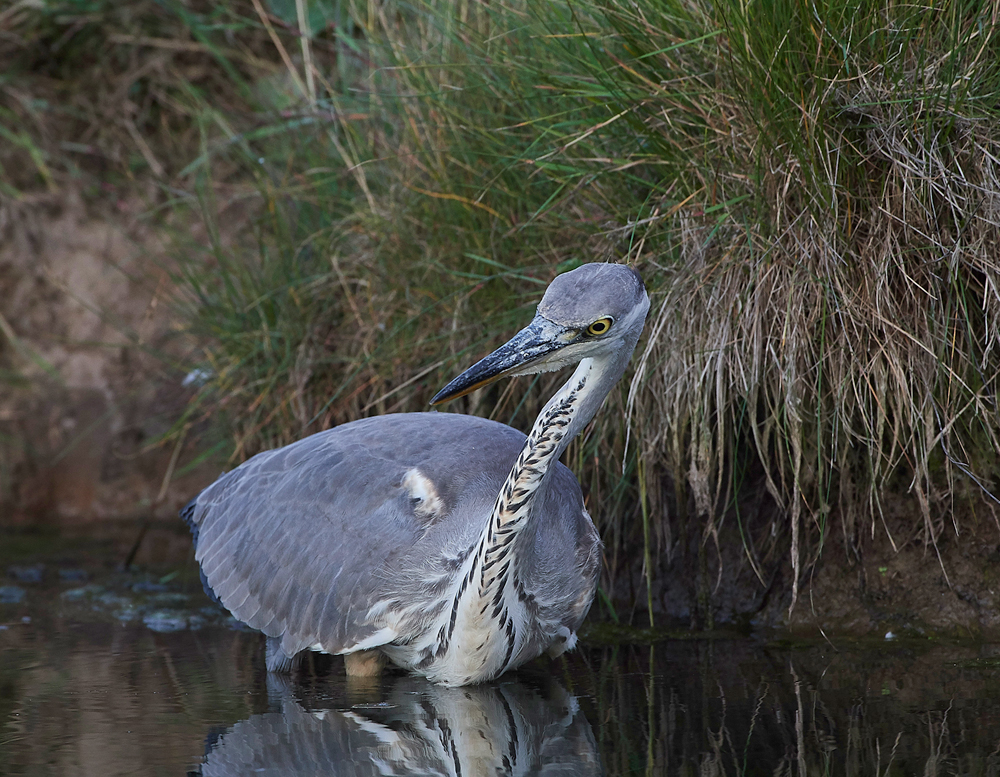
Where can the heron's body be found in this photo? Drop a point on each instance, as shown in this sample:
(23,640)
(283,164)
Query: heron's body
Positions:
(454,546)
(364,592)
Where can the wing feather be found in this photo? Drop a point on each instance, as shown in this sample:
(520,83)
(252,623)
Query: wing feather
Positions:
(302,541)
(299,542)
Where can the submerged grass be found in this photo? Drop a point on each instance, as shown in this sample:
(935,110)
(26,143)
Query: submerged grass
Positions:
(809,189)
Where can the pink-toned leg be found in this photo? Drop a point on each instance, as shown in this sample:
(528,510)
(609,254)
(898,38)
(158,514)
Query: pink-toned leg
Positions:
(364,663)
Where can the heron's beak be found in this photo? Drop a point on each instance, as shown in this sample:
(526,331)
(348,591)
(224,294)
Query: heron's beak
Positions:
(515,357)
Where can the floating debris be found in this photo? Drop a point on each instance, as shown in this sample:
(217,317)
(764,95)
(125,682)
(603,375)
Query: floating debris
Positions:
(128,614)
(166,621)
(75,594)
(31,574)
(11,594)
(162,605)
(111,599)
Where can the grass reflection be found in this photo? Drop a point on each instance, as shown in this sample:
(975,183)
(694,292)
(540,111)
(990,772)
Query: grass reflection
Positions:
(739,707)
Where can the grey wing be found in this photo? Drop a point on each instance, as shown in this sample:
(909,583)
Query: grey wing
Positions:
(300,542)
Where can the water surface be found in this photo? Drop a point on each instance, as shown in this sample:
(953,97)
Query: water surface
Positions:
(137,677)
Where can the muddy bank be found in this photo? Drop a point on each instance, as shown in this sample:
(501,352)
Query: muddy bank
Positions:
(895,577)
(89,355)
(914,589)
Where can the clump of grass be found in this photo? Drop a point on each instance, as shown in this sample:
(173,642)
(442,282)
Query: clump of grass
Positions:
(376,191)
(834,301)
(101,92)
(809,190)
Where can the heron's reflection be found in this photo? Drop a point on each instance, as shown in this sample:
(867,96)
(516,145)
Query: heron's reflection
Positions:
(418,728)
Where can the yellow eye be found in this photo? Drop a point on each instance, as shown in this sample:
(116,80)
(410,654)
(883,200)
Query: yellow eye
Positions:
(600,326)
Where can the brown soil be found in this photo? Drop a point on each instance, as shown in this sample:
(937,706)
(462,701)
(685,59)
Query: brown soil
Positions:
(914,589)
(84,300)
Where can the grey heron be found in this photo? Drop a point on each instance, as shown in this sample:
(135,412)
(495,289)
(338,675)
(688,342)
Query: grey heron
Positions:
(453,546)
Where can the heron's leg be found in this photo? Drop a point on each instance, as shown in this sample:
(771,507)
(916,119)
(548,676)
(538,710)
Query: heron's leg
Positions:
(277,660)
(364,663)
(280,690)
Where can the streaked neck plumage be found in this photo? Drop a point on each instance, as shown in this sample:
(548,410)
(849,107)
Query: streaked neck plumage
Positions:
(563,417)
(493,614)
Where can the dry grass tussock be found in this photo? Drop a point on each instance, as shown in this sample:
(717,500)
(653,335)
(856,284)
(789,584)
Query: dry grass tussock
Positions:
(847,330)
(811,193)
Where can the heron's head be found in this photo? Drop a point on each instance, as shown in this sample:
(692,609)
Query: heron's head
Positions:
(594,311)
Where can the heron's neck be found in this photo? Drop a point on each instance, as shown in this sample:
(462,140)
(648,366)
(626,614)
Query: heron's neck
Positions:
(490,587)
(574,405)
(568,411)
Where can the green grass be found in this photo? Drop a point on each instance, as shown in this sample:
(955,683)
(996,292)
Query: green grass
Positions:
(809,190)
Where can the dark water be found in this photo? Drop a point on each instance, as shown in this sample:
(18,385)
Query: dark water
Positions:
(94,681)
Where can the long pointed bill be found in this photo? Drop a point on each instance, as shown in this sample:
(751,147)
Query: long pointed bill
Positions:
(515,357)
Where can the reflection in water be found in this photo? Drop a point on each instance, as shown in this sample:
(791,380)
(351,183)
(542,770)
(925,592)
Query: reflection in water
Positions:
(419,729)
(93,698)
(735,707)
